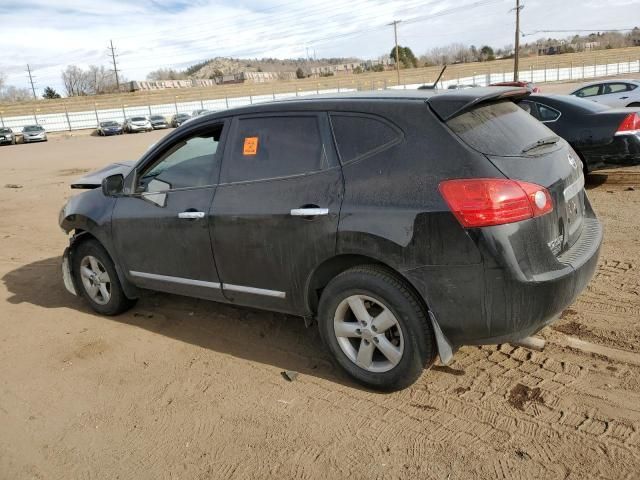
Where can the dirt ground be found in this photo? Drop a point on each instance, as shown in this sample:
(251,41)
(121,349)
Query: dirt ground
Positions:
(181,388)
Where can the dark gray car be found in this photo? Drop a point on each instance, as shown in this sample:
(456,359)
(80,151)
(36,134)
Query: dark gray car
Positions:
(405,224)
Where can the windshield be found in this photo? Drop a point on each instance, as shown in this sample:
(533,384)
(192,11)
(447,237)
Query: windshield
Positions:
(182,115)
(109,124)
(138,119)
(157,117)
(502,129)
(5,130)
(33,128)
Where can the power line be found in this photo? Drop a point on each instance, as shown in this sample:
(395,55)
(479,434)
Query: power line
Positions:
(33,88)
(328,39)
(115,66)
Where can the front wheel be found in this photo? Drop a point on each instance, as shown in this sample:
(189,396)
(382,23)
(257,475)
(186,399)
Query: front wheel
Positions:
(376,328)
(97,280)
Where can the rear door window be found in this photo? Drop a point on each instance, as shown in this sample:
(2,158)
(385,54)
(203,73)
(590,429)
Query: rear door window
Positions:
(499,128)
(614,88)
(360,135)
(274,146)
(547,114)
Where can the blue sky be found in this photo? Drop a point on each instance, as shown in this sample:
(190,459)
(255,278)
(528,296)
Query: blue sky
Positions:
(148,34)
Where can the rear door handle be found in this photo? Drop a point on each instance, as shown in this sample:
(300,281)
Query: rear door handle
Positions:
(309,212)
(623,98)
(191,215)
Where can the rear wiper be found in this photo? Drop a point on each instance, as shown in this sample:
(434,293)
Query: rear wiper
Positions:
(543,141)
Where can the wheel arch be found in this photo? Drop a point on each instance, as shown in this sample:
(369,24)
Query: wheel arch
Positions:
(335,265)
(81,236)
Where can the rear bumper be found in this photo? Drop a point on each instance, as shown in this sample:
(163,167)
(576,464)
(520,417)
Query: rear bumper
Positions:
(491,303)
(623,151)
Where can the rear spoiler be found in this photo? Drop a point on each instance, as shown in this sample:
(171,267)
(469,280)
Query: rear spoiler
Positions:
(450,105)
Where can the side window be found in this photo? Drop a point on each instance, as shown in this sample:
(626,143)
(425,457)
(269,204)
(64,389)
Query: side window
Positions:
(529,107)
(631,86)
(358,135)
(272,147)
(591,91)
(188,163)
(547,114)
(614,88)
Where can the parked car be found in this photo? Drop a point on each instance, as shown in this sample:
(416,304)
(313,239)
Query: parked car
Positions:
(158,122)
(7,137)
(137,124)
(601,136)
(408,224)
(614,93)
(195,114)
(33,133)
(528,85)
(109,127)
(179,118)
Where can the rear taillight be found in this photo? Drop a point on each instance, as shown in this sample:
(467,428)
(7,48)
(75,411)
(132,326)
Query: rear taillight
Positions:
(631,124)
(480,202)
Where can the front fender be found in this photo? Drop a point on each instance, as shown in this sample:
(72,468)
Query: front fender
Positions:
(89,216)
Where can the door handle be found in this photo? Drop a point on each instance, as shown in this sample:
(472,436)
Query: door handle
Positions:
(623,98)
(191,215)
(309,212)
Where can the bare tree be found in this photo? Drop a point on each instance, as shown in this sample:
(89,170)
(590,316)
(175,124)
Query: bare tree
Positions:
(14,94)
(74,81)
(94,81)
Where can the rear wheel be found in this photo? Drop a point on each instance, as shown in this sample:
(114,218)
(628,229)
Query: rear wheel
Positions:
(376,328)
(97,280)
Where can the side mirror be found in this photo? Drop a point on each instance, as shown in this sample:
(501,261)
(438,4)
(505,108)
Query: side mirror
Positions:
(113,185)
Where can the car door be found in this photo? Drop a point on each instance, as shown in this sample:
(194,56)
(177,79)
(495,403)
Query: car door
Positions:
(275,213)
(614,94)
(161,232)
(590,92)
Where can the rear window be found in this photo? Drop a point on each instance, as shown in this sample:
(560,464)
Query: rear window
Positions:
(500,128)
(357,135)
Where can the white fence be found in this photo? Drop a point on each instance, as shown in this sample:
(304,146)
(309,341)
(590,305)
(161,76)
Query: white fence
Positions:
(90,118)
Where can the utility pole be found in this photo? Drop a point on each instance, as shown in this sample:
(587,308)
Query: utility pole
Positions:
(115,67)
(395,34)
(33,88)
(516,57)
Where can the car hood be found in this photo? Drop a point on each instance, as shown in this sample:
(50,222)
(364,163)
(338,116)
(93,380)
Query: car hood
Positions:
(94,179)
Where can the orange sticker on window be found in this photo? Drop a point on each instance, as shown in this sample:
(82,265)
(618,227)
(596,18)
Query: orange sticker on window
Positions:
(250,146)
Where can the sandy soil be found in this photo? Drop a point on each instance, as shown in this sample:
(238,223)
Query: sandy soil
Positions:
(180,388)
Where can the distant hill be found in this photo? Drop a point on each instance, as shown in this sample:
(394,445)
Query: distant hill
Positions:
(225,66)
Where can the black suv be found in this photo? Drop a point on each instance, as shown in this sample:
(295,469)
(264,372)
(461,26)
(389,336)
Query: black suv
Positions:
(407,223)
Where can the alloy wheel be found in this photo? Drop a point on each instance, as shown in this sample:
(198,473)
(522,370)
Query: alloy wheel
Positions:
(368,333)
(95,280)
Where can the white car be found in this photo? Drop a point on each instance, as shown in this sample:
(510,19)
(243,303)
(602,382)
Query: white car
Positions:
(613,93)
(137,124)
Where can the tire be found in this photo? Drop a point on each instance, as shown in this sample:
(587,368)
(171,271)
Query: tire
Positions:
(382,293)
(90,254)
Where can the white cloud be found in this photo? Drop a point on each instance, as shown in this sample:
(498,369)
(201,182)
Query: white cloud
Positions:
(153,33)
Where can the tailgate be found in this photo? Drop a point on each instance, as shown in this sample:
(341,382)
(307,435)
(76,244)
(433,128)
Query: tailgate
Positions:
(524,149)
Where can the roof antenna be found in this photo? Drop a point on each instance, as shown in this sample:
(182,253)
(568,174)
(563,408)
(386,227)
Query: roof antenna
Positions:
(433,86)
